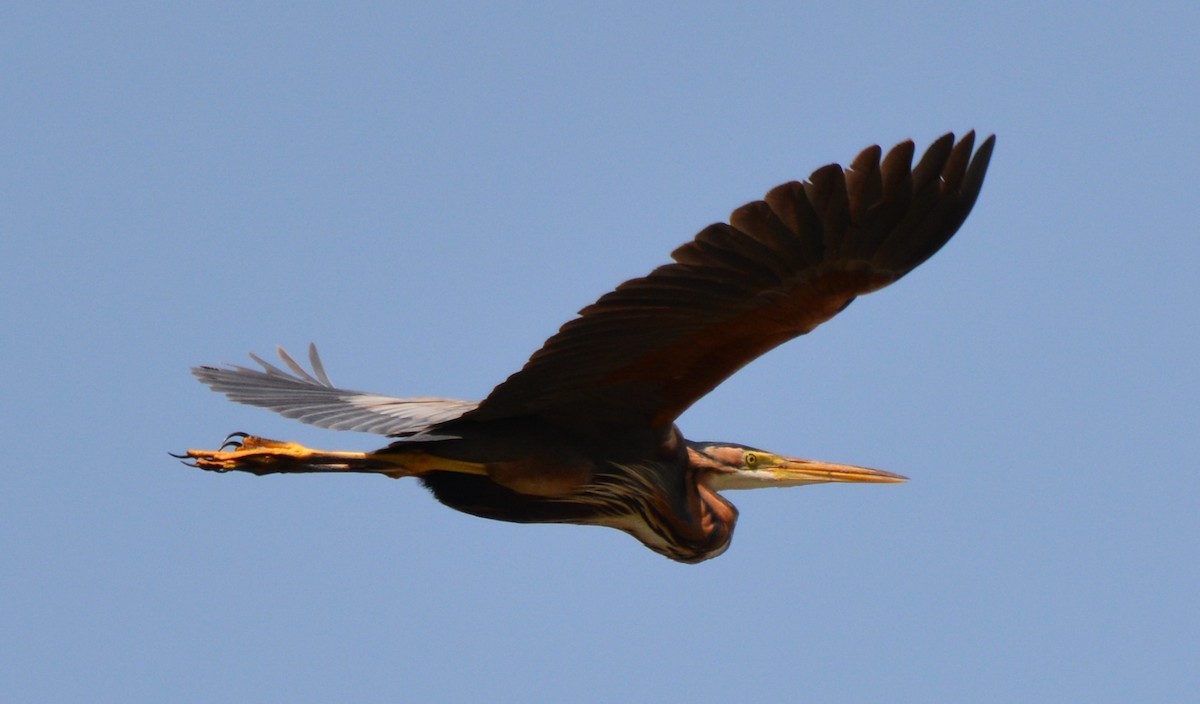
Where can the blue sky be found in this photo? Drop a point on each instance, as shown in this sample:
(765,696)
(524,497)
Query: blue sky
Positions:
(428,194)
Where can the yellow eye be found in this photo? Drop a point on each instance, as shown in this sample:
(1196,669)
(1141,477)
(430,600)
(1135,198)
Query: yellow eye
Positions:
(750,459)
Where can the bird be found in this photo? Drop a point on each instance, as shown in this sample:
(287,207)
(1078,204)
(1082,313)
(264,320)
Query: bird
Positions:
(585,432)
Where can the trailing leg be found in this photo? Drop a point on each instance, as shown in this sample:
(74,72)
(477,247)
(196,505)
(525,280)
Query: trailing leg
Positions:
(248,453)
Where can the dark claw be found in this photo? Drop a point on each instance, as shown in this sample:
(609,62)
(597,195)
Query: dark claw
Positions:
(189,462)
(234,440)
(185,459)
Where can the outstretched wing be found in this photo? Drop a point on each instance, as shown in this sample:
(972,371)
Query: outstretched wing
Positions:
(645,352)
(312,398)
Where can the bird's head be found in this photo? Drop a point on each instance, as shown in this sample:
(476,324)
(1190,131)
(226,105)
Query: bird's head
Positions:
(729,466)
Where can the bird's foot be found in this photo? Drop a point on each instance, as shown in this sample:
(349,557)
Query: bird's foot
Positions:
(242,452)
(249,453)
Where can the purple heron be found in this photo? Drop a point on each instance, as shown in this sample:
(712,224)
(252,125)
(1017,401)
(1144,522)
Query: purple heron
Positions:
(585,432)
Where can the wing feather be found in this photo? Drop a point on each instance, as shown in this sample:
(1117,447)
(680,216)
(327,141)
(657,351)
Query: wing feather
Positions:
(782,266)
(312,398)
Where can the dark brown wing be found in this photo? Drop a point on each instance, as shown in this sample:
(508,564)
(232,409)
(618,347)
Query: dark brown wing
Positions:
(642,354)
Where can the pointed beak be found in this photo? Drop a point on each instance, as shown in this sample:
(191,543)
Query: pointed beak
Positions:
(796,471)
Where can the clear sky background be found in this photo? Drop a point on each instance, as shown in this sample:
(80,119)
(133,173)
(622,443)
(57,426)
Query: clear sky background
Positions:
(429,193)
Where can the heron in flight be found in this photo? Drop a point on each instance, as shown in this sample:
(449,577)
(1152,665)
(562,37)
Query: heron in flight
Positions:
(585,432)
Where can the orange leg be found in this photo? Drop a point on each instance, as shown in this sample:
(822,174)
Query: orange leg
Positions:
(249,453)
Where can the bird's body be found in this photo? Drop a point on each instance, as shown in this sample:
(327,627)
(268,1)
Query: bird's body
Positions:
(585,432)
